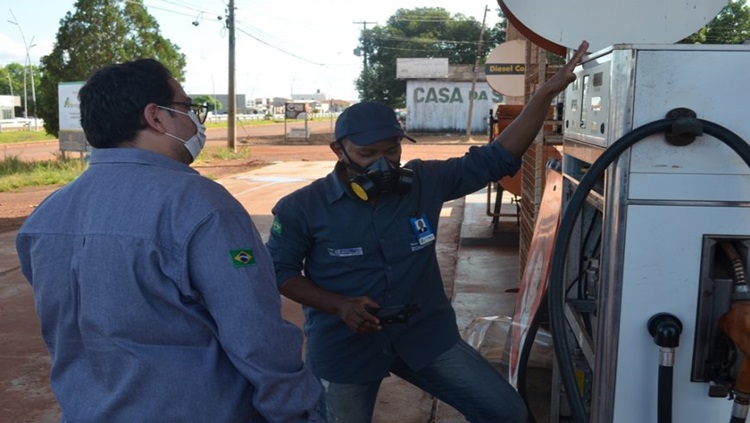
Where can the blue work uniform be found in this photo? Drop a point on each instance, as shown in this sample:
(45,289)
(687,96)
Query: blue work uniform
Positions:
(157,300)
(344,245)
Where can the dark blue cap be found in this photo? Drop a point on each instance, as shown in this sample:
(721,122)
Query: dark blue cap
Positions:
(369,122)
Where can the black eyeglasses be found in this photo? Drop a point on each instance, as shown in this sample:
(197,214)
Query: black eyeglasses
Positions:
(200,110)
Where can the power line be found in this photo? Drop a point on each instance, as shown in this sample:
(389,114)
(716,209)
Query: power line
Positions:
(176,12)
(277,48)
(417,40)
(189,6)
(236,27)
(469,19)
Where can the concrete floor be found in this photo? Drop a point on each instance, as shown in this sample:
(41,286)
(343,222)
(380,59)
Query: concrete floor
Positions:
(479,262)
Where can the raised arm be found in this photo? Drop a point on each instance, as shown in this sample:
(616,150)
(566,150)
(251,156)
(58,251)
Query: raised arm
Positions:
(517,137)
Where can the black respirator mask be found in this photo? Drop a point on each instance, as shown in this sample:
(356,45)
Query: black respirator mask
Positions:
(379,177)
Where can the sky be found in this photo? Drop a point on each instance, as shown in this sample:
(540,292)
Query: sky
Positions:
(282,47)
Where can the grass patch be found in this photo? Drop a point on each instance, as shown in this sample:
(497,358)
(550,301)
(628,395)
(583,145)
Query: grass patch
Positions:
(24,136)
(16,173)
(210,155)
(249,122)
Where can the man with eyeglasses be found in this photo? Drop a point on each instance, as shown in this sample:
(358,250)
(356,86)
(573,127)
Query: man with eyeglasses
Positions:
(156,297)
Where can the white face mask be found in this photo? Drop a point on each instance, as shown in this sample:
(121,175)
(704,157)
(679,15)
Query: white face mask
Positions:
(195,144)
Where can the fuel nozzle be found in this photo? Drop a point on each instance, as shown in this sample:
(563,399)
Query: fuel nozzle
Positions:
(736,324)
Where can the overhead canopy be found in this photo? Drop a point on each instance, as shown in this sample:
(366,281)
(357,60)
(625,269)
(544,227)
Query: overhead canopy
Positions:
(559,25)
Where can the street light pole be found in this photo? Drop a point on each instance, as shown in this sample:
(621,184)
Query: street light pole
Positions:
(27,64)
(31,73)
(33,90)
(10,82)
(232,110)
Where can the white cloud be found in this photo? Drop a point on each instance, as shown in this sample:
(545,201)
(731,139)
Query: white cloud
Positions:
(11,51)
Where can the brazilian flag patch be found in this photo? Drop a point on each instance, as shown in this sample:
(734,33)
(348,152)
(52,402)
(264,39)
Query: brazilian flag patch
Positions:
(276,226)
(242,258)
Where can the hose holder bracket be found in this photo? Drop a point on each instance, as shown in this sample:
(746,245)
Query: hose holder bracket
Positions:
(685,128)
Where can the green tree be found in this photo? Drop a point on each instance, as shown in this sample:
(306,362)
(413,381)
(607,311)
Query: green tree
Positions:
(213,103)
(12,76)
(730,26)
(424,32)
(14,72)
(96,34)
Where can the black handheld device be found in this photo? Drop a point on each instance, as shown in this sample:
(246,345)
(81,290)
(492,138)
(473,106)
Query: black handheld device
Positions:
(394,314)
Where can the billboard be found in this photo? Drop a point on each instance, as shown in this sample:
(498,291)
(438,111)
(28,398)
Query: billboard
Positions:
(424,68)
(71,134)
(296,110)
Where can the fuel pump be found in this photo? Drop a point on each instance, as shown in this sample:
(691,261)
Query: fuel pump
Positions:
(649,309)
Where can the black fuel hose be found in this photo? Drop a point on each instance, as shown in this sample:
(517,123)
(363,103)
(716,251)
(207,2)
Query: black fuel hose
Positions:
(665,328)
(556,282)
(664,407)
(523,360)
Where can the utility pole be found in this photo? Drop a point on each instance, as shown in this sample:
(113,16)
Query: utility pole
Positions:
(232,111)
(474,77)
(363,51)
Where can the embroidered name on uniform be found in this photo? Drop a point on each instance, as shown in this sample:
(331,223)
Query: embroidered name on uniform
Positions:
(345,252)
(416,247)
(276,226)
(242,258)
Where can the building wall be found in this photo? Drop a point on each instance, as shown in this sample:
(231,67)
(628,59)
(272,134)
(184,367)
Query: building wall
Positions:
(8,106)
(224,99)
(443,105)
(318,96)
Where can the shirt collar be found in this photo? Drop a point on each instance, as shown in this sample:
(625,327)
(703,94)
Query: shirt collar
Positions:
(334,186)
(136,156)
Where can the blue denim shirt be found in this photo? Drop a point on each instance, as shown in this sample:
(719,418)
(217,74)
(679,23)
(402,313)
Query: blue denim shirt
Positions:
(346,246)
(149,308)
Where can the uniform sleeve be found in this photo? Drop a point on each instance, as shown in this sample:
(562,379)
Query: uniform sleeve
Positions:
(230,267)
(457,177)
(289,241)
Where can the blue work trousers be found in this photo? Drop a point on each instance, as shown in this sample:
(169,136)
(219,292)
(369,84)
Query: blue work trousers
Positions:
(460,377)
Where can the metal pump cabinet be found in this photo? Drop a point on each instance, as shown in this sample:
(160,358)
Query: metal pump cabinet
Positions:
(646,240)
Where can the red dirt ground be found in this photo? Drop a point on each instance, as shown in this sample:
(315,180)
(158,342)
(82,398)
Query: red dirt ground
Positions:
(16,206)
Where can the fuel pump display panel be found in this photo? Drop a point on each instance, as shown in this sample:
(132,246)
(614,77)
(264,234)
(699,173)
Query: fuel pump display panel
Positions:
(587,108)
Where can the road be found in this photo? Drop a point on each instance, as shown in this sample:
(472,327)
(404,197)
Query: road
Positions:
(250,134)
(267,143)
